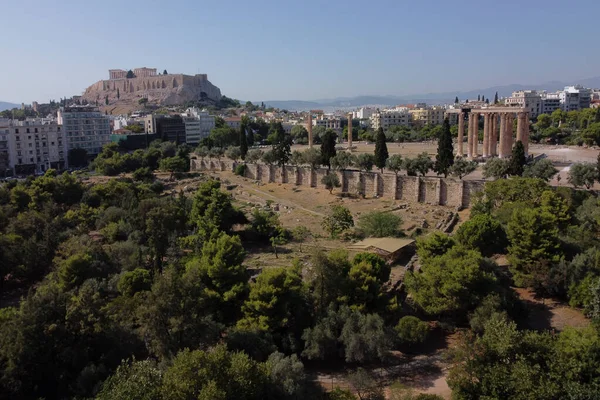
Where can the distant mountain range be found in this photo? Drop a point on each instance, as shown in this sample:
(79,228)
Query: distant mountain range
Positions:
(429,98)
(7,106)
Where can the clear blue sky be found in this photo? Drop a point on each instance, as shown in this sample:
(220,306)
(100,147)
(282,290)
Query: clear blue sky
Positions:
(309,49)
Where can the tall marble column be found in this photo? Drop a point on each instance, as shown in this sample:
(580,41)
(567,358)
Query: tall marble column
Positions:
(502,146)
(509,133)
(520,127)
(525,133)
(350,132)
(486,135)
(461,133)
(475,141)
(493,141)
(470,137)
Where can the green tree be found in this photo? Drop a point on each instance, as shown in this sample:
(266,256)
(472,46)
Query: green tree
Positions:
(483,233)
(143,101)
(411,330)
(269,157)
(456,100)
(220,276)
(243,138)
(395,163)
(517,160)
(541,168)
(342,161)
(130,74)
(452,283)
(312,157)
(462,167)
(328,147)
(106,100)
(233,153)
(118,94)
(327,275)
(133,380)
(277,303)
(496,168)
(254,155)
(496,98)
(582,174)
(299,134)
(422,164)
(300,234)
(445,154)
(281,144)
(380,224)
(365,161)
(533,238)
(338,220)
(331,181)
(174,164)
(381,151)
(132,282)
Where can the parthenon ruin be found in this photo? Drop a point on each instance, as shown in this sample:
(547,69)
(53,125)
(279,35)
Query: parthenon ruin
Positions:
(496,142)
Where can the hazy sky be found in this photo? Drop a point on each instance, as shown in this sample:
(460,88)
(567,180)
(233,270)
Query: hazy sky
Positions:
(301,50)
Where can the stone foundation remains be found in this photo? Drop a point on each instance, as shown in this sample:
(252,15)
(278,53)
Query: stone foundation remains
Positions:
(429,190)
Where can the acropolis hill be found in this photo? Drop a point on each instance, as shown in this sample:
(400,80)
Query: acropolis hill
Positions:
(170,89)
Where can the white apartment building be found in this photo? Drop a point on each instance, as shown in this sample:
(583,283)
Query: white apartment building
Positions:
(363,113)
(33,145)
(575,98)
(387,118)
(85,127)
(198,125)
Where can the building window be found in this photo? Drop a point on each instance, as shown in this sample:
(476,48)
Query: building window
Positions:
(27,130)
(16,131)
(20,161)
(35,130)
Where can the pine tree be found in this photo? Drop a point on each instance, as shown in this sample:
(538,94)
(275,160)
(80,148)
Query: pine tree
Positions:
(165,72)
(517,160)
(118,94)
(482,98)
(328,147)
(496,98)
(106,100)
(445,154)
(381,151)
(487,101)
(478,97)
(456,100)
(282,145)
(243,138)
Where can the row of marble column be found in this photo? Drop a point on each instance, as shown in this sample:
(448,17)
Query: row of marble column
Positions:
(496,142)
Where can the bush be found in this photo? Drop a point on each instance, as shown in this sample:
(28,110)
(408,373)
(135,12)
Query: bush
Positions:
(380,224)
(240,169)
(143,174)
(411,330)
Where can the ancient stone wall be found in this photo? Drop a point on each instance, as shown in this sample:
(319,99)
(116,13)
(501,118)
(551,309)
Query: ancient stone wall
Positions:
(429,190)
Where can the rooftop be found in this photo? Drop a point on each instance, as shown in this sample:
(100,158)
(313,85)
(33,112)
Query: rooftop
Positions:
(388,244)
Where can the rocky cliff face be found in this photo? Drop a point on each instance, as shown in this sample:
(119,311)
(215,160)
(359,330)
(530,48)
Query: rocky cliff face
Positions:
(161,89)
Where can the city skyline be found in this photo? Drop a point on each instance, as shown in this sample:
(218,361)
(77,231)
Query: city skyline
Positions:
(303,51)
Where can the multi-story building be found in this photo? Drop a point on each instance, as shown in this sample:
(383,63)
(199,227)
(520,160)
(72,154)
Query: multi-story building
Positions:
(428,116)
(233,122)
(198,124)
(33,145)
(328,122)
(5,169)
(85,127)
(170,128)
(550,102)
(363,113)
(388,118)
(529,99)
(575,98)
